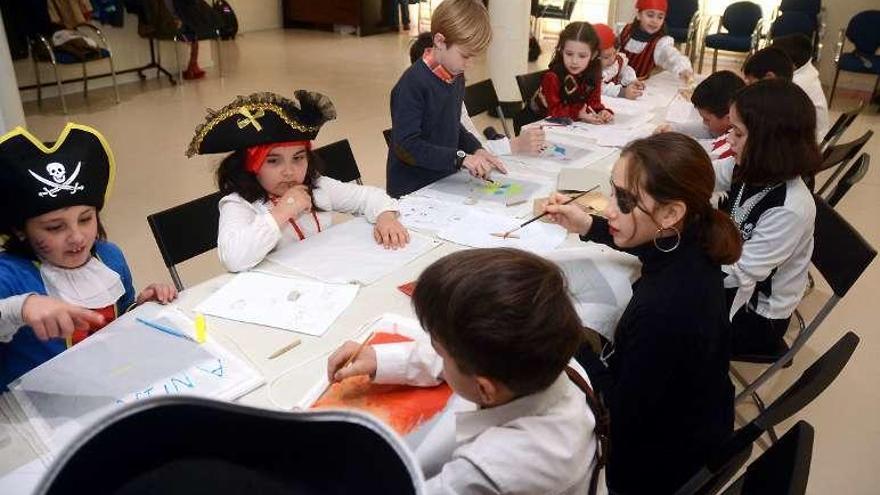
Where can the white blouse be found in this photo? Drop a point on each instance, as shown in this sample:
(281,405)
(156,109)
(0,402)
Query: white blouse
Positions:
(627,76)
(666,55)
(248,232)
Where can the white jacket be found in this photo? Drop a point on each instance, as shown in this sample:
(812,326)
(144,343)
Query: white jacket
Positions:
(248,232)
(807,77)
(539,443)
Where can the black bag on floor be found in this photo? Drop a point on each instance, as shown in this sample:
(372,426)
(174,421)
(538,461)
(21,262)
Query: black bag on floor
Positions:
(534,49)
(227,18)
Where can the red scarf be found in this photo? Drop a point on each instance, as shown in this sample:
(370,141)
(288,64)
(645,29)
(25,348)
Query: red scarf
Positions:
(256,155)
(642,62)
(299,232)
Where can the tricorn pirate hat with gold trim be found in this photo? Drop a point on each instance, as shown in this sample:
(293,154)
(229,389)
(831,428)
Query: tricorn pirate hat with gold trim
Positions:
(262,118)
(36,177)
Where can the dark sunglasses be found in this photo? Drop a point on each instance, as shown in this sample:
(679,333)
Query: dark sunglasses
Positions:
(626,201)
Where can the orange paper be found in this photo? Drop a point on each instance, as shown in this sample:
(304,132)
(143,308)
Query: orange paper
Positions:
(402,407)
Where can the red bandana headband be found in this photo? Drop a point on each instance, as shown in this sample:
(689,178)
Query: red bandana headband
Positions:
(652,5)
(256,155)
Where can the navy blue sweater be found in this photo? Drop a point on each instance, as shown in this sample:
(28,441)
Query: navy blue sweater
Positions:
(426,130)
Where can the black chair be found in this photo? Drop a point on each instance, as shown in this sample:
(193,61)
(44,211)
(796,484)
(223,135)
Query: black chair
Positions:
(783,469)
(186,231)
(524,117)
(833,236)
(682,23)
(528,85)
(481,97)
(733,454)
(862,32)
(742,22)
(550,11)
(841,125)
(205,446)
(387,135)
(838,156)
(338,162)
(853,175)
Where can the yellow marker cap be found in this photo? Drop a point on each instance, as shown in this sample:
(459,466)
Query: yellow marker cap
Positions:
(201,328)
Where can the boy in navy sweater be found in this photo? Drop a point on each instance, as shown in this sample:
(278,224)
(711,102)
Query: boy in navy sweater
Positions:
(428,141)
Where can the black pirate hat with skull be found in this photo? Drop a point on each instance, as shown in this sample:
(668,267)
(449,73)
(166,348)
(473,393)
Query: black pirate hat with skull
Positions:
(262,118)
(36,177)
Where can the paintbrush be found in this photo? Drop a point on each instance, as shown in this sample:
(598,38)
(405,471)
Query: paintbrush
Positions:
(505,235)
(358,351)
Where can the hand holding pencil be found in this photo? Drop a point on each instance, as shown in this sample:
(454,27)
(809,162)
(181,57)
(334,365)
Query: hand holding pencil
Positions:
(352,359)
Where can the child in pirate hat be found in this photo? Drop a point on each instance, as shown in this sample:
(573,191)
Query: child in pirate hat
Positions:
(60,279)
(646,44)
(275,193)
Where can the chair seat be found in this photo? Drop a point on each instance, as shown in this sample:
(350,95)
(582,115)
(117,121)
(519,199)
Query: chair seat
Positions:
(850,62)
(66,58)
(729,42)
(552,12)
(770,358)
(678,34)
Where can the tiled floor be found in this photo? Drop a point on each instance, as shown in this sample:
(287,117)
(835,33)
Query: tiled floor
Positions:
(151,128)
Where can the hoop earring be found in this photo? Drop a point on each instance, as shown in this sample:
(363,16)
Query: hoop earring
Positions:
(658,236)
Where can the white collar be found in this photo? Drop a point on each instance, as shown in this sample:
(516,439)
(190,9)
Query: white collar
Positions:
(93,285)
(470,424)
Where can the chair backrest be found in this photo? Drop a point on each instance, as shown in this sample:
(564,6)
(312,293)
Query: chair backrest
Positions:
(840,253)
(568,8)
(339,162)
(680,12)
(186,231)
(862,31)
(740,18)
(722,464)
(528,84)
(480,97)
(841,125)
(387,135)
(793,23)
(851,177)
(838,156)
(811,7)
(783,469)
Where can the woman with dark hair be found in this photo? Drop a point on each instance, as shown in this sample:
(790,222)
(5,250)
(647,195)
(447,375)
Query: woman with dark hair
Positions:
(665,379)
(773,138)
(275,194)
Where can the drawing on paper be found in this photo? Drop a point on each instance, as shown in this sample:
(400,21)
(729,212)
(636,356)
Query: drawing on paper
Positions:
(505,191)
(402,407)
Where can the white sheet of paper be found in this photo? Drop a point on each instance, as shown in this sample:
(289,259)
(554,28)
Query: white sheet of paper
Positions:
(682,111)
(575,156)
(600,282)
(476,228)
(624,106)
(348,253)
(125,362)
(294,304)
(466,189)
(428,214)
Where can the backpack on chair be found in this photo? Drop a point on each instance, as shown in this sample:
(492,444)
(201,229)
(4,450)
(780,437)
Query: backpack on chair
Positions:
(228,20)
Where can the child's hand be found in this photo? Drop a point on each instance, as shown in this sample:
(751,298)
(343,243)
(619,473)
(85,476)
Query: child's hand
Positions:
(482,164)
(364,364)
(570,216)
(686,75)
(633,91)
(493,160)
(53,318)
(663,128)
(161,293)
(530,142)
(606,116)
(590,117)
(389,232)
(294,202)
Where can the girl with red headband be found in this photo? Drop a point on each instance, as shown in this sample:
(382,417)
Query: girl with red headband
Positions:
(275,193)
(646,44)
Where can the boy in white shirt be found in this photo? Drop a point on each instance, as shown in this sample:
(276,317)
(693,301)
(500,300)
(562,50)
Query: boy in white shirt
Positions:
(618,78)
(503,331)
(799,49)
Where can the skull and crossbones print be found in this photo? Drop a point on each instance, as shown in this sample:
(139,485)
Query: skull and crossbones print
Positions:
(59,180)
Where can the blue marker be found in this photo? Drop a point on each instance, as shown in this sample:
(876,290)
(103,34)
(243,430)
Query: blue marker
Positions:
(164,329)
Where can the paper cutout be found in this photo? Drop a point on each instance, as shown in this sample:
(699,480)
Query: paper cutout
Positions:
(293,304)
(402,407)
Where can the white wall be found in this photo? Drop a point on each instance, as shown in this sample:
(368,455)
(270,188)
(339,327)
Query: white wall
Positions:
(11,113)
(256,15)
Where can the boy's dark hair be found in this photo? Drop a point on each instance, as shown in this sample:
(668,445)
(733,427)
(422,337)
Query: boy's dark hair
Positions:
(716,92)
(233,176)
(22,247)
(767,60)
(500,313)
(781,124)
(798,47)
(419,45)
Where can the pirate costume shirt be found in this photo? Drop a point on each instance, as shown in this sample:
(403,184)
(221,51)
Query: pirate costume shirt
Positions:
(776,222)
(247,230)
(77,169)
(619,74)
(645,51)
(564,95)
